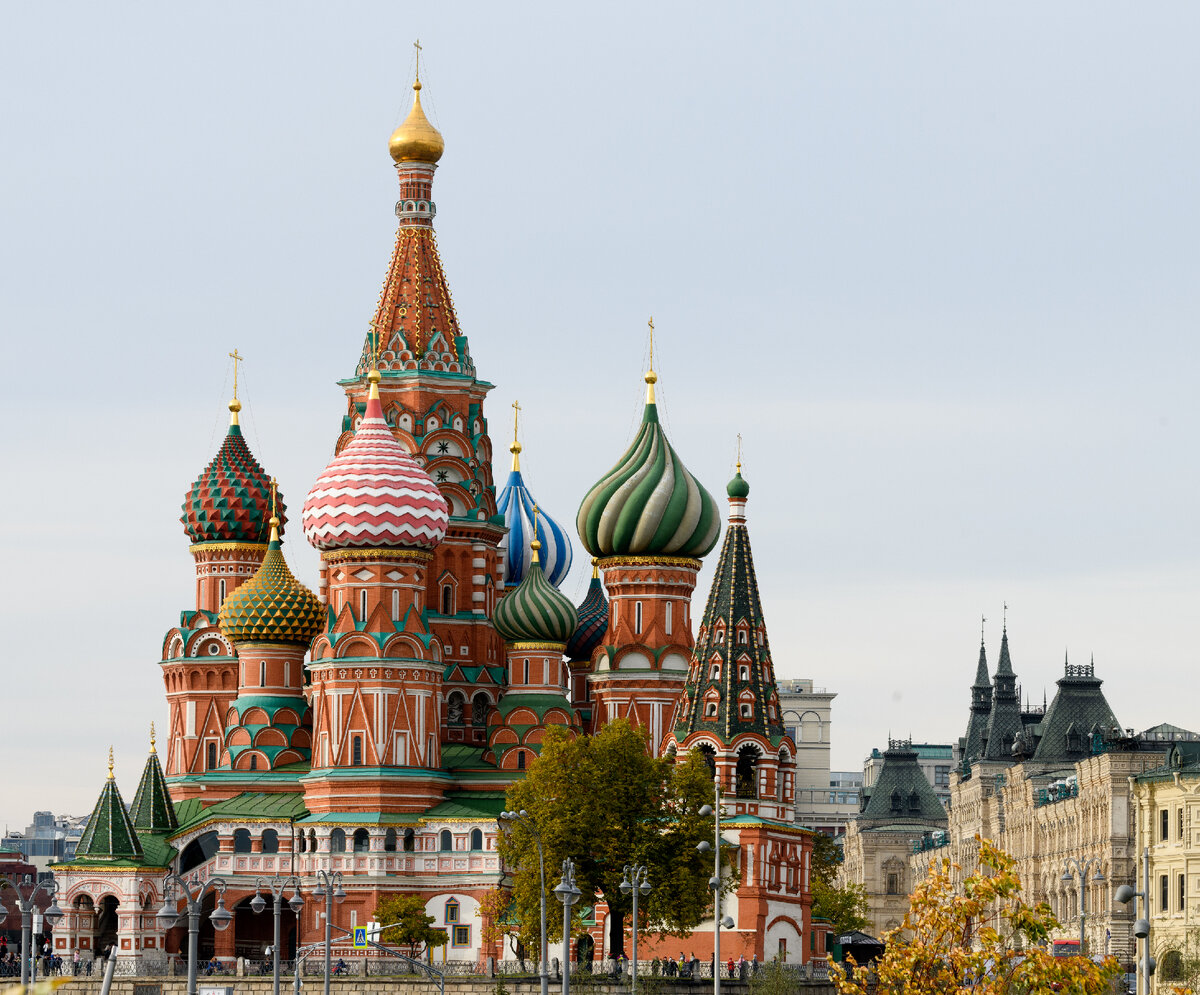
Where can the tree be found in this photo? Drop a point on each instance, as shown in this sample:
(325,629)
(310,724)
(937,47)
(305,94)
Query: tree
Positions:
(413,927)
(605,802)
(844,906)
(983,939)
(495,912)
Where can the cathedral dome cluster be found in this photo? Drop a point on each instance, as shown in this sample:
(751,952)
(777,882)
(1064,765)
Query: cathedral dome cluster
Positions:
(374,494)
(231,500)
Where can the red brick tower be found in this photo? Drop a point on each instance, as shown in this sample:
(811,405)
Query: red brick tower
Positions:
(226,515)
(433,403)
(649,521)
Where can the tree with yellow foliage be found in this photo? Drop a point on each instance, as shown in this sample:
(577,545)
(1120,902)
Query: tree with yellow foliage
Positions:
(980,939)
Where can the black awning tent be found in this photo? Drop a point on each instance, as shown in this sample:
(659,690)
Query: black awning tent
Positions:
(860,946)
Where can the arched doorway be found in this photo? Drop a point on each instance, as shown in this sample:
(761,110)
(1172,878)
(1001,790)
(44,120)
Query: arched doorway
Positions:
(1171,966)
(105,933)
(585,950)
(747,772)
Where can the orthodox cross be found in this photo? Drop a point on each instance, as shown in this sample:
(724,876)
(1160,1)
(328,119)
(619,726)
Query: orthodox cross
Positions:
(651,324)
(516,416)
(374,326)
(236,359)
(273,515)
(739,453)
(535,518)
(982,623)
(152,749)
(417,46)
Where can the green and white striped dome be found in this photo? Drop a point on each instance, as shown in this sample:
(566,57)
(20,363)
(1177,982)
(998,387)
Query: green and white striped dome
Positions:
(535,612)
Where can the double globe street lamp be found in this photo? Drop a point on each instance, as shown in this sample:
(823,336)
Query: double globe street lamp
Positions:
(169,915)
(635,882)
(714,882)
(276,886)
(567,893)
(1075,866)
(27,908)
(329,888)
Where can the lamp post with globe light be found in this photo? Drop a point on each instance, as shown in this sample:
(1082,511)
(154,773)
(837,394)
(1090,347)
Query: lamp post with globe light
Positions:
(568,894)
(1081,867)
(169,915)
(26,906)
(276,886)
(523,818)
(636,880)
(329,888)
(1141,927)
(714,883)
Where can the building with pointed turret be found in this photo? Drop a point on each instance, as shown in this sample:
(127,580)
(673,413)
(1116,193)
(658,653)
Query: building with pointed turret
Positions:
(371,726)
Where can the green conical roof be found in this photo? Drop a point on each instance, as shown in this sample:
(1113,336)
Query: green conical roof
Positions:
(536,611)
(151,809)
(649,504)
(109,834)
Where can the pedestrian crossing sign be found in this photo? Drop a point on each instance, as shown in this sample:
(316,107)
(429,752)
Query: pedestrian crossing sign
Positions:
(360,937)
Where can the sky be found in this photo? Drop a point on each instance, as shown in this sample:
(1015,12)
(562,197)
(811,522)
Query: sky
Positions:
(935,262)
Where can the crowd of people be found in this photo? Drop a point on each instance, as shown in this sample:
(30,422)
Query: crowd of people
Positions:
(686,968)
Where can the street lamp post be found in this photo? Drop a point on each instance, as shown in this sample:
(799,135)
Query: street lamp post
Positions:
(523,818)
(25,905)
(169,915)
(714,882)
(637,879)
(329,887)
(1141,927)
(1081,867)
(276,886)
(568,894)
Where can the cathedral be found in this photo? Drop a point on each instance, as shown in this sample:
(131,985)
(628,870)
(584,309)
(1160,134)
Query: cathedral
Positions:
(372,726)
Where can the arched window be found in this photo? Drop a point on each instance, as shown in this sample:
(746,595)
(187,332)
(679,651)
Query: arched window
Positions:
(715,675)
(270,841)
(479,710)
(742,637)
(410,841)
(254,761)
(747,710)
(241,841)
(710,710)
(312,841)
(212,756)
(447,840)
(447,599)
(455,708)
(389,841)
(337,841)
(303,843)
(476,839)
(521,760)
(709,755)
(747,772)
(356,761)
(452,911)
(743,673)
(667,617)
(395,605)
(362,841)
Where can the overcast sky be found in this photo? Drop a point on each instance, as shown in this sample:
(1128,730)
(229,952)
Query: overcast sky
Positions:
(936,262)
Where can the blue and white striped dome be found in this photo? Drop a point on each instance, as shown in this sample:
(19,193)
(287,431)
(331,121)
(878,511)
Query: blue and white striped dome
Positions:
(515,503)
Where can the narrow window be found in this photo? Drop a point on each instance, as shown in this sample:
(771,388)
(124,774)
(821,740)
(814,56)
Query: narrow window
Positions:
(667,618)
(212,756)
(362,603)
(409,841)
(447,840)
(270,841)
(637,617)
(262,673)
(521,760)
(254,761)
(1164,897)
(452,911)
(1180,834)
(395,605)
(447,599)
(337,841)
(389,841)
(526,671)
(357,761)
(1165,821)
(476,839)
(1182,891)
(222,584)
(741,637)
(287,673)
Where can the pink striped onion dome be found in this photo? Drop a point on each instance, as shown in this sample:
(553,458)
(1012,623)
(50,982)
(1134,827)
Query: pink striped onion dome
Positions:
(374,493)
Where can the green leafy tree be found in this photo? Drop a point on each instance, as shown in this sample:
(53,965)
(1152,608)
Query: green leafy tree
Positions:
(605,802)
(774,978)
(980,939)
(413,928)
(845,906)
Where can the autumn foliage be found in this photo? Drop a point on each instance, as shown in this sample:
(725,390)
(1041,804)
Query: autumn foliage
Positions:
(979,939)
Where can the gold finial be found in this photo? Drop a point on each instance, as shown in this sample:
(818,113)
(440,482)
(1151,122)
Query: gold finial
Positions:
(235,405)
(153,748)
(595,568)
(110,763)
(515,448)
(374,326)
(274,523)
(651,376)
(535,545)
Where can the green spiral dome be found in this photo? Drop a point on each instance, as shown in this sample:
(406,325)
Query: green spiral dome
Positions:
(649,504)
(272,606)
(535,612)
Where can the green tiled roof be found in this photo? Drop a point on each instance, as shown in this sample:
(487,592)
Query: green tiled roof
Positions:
(456,755)
(109,834)
(901,793)
(469,805)
(256,805)
(1079,709)
(151,809)
(363,818)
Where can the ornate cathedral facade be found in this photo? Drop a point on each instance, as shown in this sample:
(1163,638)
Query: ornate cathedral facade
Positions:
(372,727)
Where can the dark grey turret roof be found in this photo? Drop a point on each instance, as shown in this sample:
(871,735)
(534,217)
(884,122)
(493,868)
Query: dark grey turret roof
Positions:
(901,793)
(1079,710)
(1004,722)
(981,709)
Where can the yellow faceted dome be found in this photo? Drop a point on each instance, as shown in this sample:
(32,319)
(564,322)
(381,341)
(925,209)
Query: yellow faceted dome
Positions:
(416,140)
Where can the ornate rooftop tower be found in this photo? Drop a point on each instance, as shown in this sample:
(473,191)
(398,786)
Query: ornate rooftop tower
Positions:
(432,402)
(730,711)
(649,521)
(981,709)
(1004,723)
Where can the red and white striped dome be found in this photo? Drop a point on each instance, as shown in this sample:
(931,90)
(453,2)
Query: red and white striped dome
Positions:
(374,494)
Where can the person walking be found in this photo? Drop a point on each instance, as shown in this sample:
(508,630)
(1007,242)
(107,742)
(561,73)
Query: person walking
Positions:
(75,963)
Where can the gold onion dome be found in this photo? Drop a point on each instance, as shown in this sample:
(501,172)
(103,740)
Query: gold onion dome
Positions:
(416,140)
(272,606)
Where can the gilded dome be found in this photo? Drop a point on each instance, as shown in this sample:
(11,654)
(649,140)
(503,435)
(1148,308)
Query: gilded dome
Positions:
(416,140)
(272,606)
(649,504)
(535,611)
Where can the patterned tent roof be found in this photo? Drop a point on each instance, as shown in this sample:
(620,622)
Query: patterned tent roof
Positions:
(516,504)
(231,500)
(272,606)
(109,834)
(902,792)
(374,494)
(649,504)
(535,611)
(593,622)
(151,809)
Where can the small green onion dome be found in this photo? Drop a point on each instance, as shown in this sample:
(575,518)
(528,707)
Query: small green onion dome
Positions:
(272,606)
(649,504)
(535,612)
(738,488)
